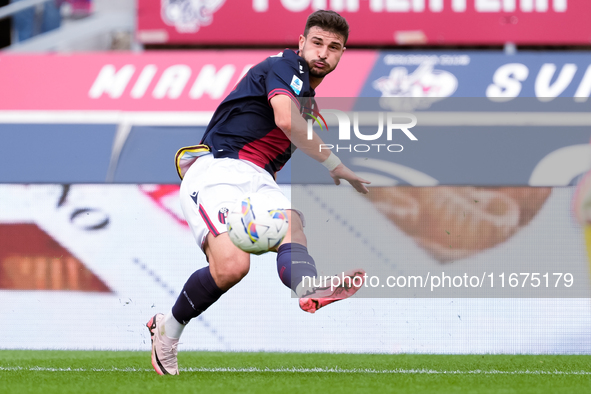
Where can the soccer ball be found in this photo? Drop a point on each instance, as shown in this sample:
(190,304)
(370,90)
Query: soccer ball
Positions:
(256,224)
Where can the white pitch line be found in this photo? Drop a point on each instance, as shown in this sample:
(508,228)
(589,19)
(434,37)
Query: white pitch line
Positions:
(308,370)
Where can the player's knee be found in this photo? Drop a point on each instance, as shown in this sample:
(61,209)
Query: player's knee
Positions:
(298,236)
(231,274)
(230,266)
(296,228)
(227,263)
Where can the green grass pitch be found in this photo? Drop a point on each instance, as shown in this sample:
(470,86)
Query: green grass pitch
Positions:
(213,372)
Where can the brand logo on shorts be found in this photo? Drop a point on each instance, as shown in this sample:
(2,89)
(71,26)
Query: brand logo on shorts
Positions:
(194,196)
(222,214)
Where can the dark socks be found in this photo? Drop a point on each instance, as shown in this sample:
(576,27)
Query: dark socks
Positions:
(198,294)
(293,263)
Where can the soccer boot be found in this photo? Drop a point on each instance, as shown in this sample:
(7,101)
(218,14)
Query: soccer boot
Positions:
(319,297)
(164,352)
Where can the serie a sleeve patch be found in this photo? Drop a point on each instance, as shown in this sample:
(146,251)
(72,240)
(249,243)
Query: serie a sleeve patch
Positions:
(296,85)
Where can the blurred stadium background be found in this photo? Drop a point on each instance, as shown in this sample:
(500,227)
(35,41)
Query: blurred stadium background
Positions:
(93,110)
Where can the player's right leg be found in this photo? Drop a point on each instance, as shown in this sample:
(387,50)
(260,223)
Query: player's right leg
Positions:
(164,348)
(227,266)
(208,187)
(227,263)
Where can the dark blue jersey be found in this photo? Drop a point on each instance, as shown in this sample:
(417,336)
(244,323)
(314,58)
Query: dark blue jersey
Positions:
(243,126)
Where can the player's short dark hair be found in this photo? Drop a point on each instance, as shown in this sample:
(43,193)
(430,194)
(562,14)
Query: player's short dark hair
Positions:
(329,21)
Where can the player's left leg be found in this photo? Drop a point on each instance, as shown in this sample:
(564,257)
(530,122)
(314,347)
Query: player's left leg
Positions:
(296,269)
(293,260)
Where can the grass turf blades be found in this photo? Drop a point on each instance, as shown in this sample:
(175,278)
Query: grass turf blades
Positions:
(129,372)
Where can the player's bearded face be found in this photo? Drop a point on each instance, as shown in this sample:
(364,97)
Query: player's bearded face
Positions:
(322,50)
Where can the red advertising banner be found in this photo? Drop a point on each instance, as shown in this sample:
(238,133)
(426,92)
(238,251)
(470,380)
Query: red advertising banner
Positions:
(373,22)
(155,81)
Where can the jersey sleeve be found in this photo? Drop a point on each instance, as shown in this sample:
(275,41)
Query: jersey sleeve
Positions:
(284,78)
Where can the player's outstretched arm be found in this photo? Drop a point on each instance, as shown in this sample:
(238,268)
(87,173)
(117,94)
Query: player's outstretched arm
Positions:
(288,119)
(343,172)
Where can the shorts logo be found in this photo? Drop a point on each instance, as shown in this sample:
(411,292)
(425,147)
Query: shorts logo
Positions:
(194,196)
(296,84)
(222,214)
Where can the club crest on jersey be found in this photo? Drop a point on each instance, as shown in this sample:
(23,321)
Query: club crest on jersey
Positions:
(222,215)
(296,84)
(187,16)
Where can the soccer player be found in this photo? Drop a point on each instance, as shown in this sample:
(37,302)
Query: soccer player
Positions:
(250,138)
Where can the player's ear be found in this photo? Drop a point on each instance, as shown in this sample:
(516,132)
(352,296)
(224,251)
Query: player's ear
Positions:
(302,42)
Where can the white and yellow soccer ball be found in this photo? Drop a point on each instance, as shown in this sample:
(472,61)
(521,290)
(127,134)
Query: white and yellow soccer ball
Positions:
(256,224)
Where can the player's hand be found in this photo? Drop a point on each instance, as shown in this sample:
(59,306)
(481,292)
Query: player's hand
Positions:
(342,172)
